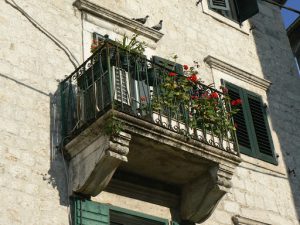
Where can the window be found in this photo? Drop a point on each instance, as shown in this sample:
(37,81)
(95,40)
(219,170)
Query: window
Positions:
(253,131)
(89,212)
(237,10)
(224,7)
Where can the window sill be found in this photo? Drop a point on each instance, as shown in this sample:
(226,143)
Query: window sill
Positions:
(253,164)
(239,220)
(244,28)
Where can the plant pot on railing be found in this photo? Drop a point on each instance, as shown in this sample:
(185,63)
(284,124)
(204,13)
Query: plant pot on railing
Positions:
(137,67)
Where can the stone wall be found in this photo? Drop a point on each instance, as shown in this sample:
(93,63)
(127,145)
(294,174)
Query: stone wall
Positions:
(41,42)
(36,39)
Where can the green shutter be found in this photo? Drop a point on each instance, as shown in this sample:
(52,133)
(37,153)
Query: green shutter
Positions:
(219,4)
(246,9)
(168,64)
(90,213)
(121,218)
(261,129)
(240,119)
(253,133)
(174,223)
(86,212)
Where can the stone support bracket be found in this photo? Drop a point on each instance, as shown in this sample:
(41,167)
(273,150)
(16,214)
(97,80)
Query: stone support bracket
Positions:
(91,170)
(200,198)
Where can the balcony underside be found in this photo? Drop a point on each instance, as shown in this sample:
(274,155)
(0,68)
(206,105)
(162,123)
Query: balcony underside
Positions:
(201,172)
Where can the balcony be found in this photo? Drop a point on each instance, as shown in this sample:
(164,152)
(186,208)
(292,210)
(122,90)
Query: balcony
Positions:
(120,117)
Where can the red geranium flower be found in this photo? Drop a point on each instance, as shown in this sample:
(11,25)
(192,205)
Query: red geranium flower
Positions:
(186,67)
(205,95)
(214,95)
(172,74)
(194,97)
(143,98)
(193,78)
(236,102)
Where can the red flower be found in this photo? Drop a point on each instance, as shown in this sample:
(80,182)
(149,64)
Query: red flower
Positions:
(172,74)
(236,102)
(193,78)
(235,125)
(205,95)
(194,97)
(214,95)
(186,67)
(143,98)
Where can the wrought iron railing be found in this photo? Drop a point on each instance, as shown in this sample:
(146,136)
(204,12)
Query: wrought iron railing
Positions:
(115,78)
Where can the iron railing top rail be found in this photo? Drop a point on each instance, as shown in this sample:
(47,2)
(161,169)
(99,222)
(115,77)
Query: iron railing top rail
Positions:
(107,42)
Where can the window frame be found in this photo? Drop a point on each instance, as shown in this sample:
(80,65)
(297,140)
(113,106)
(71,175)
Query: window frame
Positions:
(244,28)
(137,214)
(237,10)
(105,212)
(254,150)
(231,14)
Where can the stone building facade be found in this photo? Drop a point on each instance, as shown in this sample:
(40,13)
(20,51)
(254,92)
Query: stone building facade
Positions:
(42,42)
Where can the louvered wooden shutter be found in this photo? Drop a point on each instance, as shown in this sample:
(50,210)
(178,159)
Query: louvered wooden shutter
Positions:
(246,9)
(240,120)
(90,213)
(121,85)
(253,131)
(168,64)
(219,4)
(261,128)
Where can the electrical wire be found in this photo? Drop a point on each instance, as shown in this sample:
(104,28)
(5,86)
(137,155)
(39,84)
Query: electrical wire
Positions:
(54,39)
(282,6)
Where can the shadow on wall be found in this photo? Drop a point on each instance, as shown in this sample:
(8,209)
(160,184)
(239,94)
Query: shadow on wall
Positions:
(57,174)
(278,66)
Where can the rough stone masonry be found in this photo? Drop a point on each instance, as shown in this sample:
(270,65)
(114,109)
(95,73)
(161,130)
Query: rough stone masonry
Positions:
(42,41)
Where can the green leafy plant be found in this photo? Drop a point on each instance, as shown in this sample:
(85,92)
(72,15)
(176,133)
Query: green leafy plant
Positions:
(185,98)
(132,44)
(113,126)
